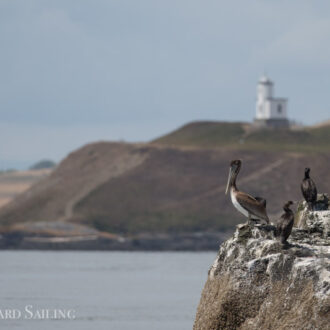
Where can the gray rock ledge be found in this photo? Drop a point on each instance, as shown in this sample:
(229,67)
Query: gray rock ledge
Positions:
(257,283)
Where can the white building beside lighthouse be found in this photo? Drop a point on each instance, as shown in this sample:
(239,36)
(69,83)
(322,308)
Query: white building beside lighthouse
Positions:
(270,111)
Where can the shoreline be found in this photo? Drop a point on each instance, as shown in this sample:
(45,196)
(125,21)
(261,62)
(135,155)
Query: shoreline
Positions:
(200,241)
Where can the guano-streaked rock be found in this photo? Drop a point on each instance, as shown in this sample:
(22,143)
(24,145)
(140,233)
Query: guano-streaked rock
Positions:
(257,283)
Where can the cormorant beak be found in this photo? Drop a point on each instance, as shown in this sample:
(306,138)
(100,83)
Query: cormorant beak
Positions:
(229,179)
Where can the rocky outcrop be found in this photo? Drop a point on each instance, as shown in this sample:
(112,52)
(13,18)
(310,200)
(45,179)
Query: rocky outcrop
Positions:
(257,283)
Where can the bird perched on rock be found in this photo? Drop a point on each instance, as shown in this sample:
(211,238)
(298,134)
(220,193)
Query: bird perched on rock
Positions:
(285,223)
(252,208)
(309,190)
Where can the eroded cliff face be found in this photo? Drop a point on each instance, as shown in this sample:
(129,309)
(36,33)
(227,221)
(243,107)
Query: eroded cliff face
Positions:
(257,283)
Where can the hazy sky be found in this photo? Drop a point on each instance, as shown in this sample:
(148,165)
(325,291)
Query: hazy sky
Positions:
(73,72)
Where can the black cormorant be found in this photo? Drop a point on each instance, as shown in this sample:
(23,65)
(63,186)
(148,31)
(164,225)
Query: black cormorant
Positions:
(285,223)
(309,190)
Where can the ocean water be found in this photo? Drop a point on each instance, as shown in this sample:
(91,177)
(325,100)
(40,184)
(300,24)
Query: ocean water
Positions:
(101,290)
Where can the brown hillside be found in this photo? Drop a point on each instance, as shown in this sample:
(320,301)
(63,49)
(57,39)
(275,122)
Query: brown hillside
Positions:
(82,171)
(13,183)
(128,188)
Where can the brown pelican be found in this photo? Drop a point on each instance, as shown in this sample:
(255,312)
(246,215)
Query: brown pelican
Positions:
(308,190)
(251,207)
(261,200)
(285,223)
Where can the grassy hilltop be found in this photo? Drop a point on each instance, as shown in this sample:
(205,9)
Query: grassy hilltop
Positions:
(175,183)
(245,136)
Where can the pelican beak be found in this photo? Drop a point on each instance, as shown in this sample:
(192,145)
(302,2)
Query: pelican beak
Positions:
(229,179)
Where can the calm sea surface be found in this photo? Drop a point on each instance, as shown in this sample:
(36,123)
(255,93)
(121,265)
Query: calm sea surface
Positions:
(105,290)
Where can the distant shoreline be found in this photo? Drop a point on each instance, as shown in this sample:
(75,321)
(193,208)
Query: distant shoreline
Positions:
(202,241)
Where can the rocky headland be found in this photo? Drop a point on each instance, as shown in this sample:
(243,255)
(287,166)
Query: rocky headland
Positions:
(258,283)
(170,186)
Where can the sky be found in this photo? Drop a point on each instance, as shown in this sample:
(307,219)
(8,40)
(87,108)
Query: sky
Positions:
(77,71)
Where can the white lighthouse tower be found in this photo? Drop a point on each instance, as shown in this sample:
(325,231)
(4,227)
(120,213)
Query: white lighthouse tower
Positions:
(270,111)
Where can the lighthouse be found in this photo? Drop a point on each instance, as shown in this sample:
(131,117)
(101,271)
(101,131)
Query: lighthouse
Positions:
(270,111)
